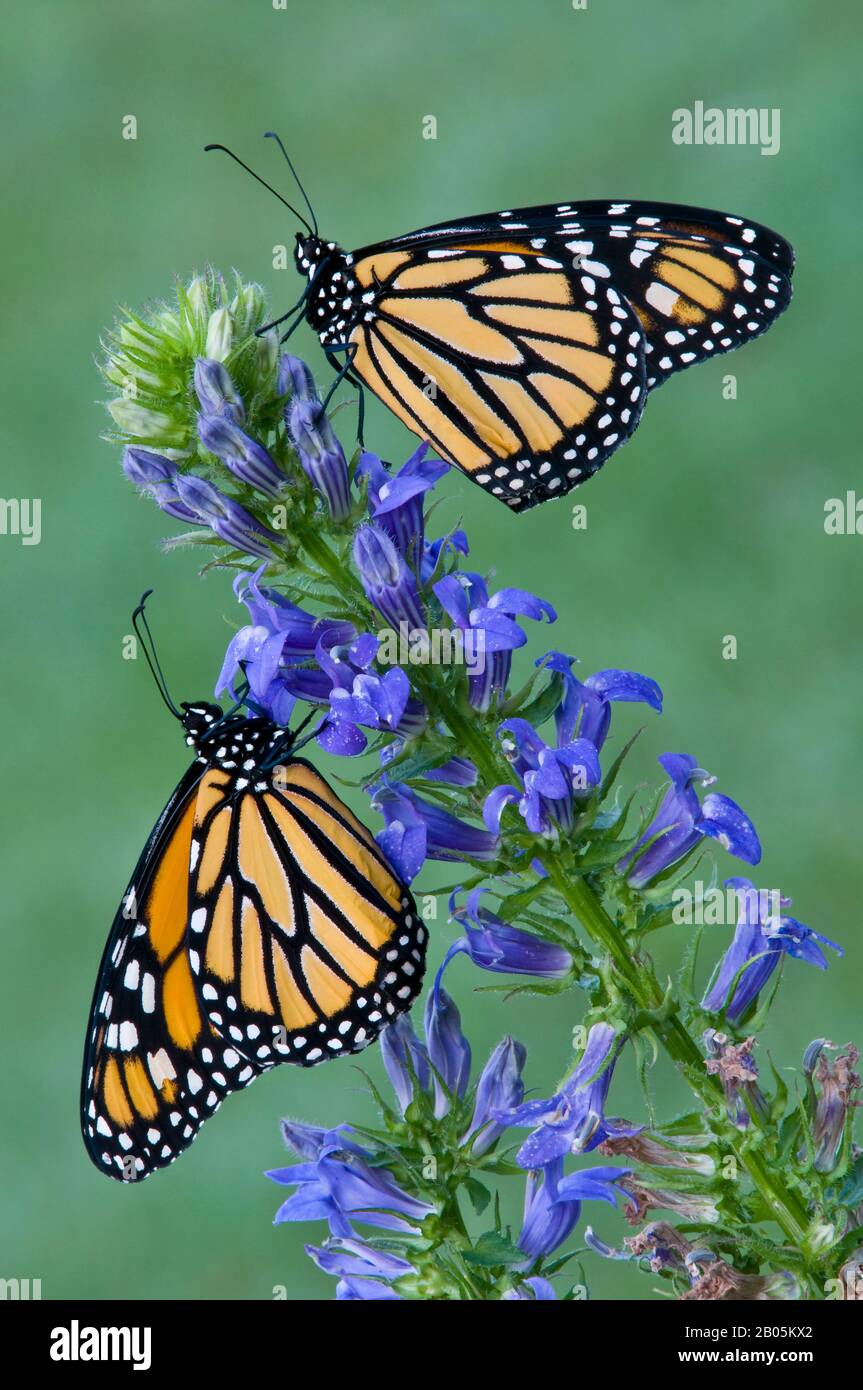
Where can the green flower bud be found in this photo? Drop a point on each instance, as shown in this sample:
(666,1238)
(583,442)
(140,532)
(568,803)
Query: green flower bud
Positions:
(156,426)
(220,335)
(248,308)
(266,357)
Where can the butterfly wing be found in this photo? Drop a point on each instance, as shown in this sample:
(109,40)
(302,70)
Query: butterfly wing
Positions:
(147,1041)
(523,373)
(702,282)
(505,389)
(303,941)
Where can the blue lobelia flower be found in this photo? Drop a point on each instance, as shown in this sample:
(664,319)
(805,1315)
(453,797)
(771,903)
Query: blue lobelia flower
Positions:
(396,500)
(488,626)
(312,1141)
(216,391)
(552,1204)
(277,649)
(762,937)
(682,821)
(585,709)
(247,459)
(359,697)
(417,830)
(553,779)
(388,582)
(364,1273)
(342,1188)
(366,1290)
(321,456)
(574,1120)
(455,542)
(498,946)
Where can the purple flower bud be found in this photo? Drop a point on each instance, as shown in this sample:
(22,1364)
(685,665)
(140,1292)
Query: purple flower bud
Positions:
(295,378)
(388,582)
(144,468)
(500,1087)
(402,1052)
(245,457)
(448,1048)
(216,391)
(231,522)
(157,475)
(498,946)
(321,455)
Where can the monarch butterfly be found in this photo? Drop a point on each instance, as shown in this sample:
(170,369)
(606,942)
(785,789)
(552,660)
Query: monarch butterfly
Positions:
(523,344)
(261,925)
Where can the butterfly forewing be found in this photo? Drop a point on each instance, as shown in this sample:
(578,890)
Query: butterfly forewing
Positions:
(527,374)
(470,372)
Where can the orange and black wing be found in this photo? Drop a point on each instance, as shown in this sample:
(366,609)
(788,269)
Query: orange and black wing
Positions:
(522,343)
(148,1048)
(303,941)
(524,374)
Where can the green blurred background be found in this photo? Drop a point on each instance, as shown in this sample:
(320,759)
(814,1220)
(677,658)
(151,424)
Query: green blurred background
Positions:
(709,523)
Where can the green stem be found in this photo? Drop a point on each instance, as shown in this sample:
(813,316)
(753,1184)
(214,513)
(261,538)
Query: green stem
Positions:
(785,1206)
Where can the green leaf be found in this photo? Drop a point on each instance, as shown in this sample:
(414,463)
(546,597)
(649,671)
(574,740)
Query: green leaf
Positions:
(478,1193)
(542,707)
(611,776)
(851,1192)
(510,908)
(493,1250)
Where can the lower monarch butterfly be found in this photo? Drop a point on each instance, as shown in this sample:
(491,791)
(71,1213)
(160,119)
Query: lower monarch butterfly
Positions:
(261,925)
(523,344)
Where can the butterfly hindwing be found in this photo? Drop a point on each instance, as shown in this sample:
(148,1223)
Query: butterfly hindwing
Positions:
(304,942)
(526,373)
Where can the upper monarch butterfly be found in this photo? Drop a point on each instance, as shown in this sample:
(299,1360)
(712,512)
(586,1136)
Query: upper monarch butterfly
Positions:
(523,344)
(261,925)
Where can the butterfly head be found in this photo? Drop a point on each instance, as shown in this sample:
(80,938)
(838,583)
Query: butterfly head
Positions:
(199,719)
(309,252)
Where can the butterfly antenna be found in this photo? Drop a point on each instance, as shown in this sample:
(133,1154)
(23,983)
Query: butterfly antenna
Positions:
(268,186)
(139,616)
(271,135)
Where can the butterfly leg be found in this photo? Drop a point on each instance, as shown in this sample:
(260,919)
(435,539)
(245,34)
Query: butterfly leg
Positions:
(344,373)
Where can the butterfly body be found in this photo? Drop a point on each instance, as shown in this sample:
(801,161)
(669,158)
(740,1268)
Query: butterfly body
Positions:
(262,925)
(524,344)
